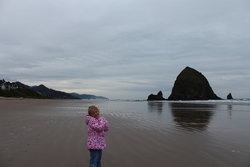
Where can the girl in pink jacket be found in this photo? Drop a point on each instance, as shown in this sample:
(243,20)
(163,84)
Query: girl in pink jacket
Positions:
(97,126)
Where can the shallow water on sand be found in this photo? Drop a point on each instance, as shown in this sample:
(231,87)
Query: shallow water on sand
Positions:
(143,134)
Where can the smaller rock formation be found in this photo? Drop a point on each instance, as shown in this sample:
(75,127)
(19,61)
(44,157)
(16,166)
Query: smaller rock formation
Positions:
(159,96)
(229,96)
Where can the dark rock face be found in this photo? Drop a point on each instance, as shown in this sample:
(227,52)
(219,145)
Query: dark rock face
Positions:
(192,85)
(229,96)
(159,96)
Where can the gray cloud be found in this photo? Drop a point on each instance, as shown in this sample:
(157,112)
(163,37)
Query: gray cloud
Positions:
(125,49)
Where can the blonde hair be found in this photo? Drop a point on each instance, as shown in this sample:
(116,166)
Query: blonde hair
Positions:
(91,109)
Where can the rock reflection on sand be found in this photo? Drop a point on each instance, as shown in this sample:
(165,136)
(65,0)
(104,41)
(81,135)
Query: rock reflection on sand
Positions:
(192,116)
(155,106)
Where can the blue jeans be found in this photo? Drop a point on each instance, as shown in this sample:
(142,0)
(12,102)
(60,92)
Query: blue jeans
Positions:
(95,158)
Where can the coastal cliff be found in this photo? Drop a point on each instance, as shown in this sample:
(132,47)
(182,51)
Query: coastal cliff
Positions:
(18,89)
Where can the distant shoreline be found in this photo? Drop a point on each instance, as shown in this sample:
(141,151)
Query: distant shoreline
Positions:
(234,101)
(27,98)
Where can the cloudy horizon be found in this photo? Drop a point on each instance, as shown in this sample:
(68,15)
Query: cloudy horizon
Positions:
(125,49)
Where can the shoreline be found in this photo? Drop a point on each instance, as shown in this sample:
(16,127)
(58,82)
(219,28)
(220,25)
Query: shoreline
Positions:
(245,101)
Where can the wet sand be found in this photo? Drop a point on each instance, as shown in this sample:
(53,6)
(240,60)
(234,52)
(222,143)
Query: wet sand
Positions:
(51,133)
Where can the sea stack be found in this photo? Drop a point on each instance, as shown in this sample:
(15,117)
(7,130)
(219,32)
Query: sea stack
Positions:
(159,96)
(190,84)
(229,96)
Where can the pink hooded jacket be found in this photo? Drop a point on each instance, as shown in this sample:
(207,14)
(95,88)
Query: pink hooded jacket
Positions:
(96,129)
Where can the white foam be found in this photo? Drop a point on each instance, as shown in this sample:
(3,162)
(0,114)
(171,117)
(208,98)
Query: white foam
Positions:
(236,101)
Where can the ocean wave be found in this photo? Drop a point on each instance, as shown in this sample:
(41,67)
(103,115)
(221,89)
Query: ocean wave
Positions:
(236,101)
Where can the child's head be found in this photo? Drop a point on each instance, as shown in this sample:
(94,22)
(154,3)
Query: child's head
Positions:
(93,111)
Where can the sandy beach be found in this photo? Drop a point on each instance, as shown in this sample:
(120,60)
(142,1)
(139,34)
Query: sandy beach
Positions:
(36,135)
(52,133)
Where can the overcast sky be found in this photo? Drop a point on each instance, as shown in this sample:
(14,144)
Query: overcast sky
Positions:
(125,49)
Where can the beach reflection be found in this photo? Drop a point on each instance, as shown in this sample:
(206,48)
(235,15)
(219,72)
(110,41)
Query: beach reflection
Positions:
(155,106)
(192,116)
(229,109)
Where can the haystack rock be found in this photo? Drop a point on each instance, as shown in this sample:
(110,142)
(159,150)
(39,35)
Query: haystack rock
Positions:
(159,96)
(229,96)
(192,85)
